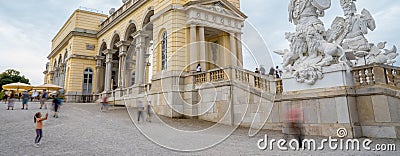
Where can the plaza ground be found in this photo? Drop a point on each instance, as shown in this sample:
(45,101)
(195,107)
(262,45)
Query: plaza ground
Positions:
(83,130)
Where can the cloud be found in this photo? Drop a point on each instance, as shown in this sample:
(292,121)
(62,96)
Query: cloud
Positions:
(30,25)
(270,17)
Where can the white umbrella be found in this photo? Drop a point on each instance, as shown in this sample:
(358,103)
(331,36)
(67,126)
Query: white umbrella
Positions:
(17,86)
(48,87)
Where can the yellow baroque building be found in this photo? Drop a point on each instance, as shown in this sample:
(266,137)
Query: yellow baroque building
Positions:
(143,40)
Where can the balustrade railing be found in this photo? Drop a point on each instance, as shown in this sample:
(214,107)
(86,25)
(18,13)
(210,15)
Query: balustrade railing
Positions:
(377,75)
(256,80)
(117,13)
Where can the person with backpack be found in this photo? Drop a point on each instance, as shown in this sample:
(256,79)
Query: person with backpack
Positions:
(38,120)
(56,105)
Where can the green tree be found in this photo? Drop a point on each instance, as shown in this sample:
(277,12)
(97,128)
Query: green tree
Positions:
(11,76)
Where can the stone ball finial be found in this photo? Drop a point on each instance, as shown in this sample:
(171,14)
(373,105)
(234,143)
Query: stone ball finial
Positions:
(112,10)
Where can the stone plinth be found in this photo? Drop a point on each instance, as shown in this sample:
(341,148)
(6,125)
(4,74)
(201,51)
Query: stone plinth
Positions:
(334,76)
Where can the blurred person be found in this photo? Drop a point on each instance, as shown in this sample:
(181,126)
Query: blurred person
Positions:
(257,71)
(271,71)
(104,104)
(5,97)
(25,98)
(140,110)
(148,111)
(43,99)
(11,101)
(262,70)
(294,122)
(56,105)
(35,95)
(38,120)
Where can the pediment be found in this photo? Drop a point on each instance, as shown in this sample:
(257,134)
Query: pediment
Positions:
(218,6)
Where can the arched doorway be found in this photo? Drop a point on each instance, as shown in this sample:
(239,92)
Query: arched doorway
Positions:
(148,29)
(130,58)
(115,62)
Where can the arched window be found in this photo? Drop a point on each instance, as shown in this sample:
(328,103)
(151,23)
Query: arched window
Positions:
(55,64)
(60,60)
(164,51)
(65,55)
(87,81)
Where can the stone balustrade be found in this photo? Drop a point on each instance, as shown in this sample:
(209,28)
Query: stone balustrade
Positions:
(377,75)
(263,82)
(117,13)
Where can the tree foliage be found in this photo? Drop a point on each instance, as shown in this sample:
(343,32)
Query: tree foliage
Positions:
(11,76)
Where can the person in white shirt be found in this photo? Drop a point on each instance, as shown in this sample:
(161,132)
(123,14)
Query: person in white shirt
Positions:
(198,69)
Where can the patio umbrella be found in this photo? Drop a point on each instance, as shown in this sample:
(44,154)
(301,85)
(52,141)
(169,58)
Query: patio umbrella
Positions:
(48,87)
(17,86)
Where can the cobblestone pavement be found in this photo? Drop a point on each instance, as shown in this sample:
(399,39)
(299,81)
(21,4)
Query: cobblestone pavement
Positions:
(83,130)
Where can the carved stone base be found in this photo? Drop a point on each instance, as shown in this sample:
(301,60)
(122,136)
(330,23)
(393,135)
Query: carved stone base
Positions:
(334,76)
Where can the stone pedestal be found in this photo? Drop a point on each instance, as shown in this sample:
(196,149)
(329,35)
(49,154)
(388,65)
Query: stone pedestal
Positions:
(334,76)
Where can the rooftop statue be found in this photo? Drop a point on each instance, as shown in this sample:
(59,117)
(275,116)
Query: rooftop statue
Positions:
(312,47)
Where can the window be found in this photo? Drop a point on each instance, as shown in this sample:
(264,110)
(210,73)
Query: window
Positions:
(164,51)
(55,64)
(87,81)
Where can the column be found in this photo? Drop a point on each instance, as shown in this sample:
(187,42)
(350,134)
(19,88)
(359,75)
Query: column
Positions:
(98,74)
(239,49)
(140,57)
(137,49)
(109,58)
(193,48)
(202,48)
(233,50)
(123,47)
(142,67)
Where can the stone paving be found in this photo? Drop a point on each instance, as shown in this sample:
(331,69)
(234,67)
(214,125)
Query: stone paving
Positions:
(83,130)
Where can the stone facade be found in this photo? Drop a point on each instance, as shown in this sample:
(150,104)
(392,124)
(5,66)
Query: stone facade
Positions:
(141,40)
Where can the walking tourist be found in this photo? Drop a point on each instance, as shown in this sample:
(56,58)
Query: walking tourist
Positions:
(25,98)
(148,111)
(140,110)
(56,105)
(43,99)
(38,120)
(5,97)
(11,101)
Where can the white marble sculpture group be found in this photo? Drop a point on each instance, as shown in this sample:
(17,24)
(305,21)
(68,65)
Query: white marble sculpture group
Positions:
(312,47)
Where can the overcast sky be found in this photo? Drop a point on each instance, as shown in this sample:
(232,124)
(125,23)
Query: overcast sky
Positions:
(27,27)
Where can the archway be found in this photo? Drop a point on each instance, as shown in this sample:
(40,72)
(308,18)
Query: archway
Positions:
(130,58)
(147,27)
(115,61)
